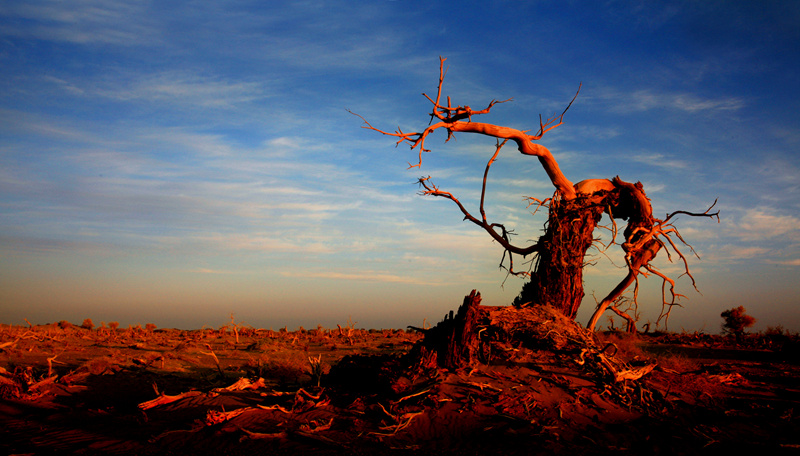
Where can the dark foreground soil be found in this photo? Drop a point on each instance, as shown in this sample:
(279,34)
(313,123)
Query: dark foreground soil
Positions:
(68,390)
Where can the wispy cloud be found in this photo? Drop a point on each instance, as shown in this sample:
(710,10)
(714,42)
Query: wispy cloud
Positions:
(629,102)
(659,160)
(21,122)
(364,276)
(760,224)
(186,88)
(732,253)
(210,271)
(781,171)
(87,21)
(260,242)
(795,262)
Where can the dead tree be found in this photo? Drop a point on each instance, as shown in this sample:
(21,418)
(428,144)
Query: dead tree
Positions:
(556,275)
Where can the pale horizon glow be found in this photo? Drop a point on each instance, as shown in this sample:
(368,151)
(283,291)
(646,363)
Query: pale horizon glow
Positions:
(173,164)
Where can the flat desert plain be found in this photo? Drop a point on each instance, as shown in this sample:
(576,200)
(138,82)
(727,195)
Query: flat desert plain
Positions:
(240,390)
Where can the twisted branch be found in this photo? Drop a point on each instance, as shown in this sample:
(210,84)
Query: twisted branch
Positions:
(452,119)
(642,243)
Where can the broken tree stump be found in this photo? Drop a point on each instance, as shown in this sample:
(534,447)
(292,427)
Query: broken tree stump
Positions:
(453,343)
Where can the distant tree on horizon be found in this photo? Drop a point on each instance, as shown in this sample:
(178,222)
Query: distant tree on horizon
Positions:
(736,321)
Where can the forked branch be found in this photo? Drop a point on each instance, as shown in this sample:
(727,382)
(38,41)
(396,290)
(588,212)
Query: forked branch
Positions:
(459,119)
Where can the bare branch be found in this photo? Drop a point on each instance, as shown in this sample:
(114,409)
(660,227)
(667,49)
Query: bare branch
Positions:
(707,213)
(539,203)
(452,119)
(501,238)
(486,173)
(549,125)
(448,113)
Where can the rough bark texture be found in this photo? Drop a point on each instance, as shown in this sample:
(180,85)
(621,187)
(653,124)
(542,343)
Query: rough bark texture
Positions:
(453,343)
(557,279)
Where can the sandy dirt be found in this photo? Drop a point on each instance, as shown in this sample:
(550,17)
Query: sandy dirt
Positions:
(69,390)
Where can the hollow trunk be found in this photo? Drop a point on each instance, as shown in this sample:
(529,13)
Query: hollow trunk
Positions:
(557,279)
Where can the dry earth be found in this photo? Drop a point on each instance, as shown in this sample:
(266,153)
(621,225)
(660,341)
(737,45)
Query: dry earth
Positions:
(542,389)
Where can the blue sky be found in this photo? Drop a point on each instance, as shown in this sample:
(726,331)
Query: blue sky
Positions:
(176,162)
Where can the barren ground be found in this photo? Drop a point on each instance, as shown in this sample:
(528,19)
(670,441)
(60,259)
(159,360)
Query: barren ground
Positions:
(133,391)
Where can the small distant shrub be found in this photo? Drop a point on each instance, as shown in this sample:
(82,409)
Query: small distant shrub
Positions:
(64,324)
(87,324)
(736,320)
(113,325)
(150,327)
(774,331)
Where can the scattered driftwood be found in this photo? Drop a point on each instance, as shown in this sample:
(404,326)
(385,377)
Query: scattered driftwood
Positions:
(11,344)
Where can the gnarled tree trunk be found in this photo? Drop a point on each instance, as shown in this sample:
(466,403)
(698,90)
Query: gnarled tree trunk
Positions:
(557,278)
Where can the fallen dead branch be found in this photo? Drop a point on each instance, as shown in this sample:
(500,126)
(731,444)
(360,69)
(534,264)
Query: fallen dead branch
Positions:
(418,393)
(634,374)
(165,399)
(215,417)
(239,385)
(242,384)
(274,407)
(43,383)
(262,436)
